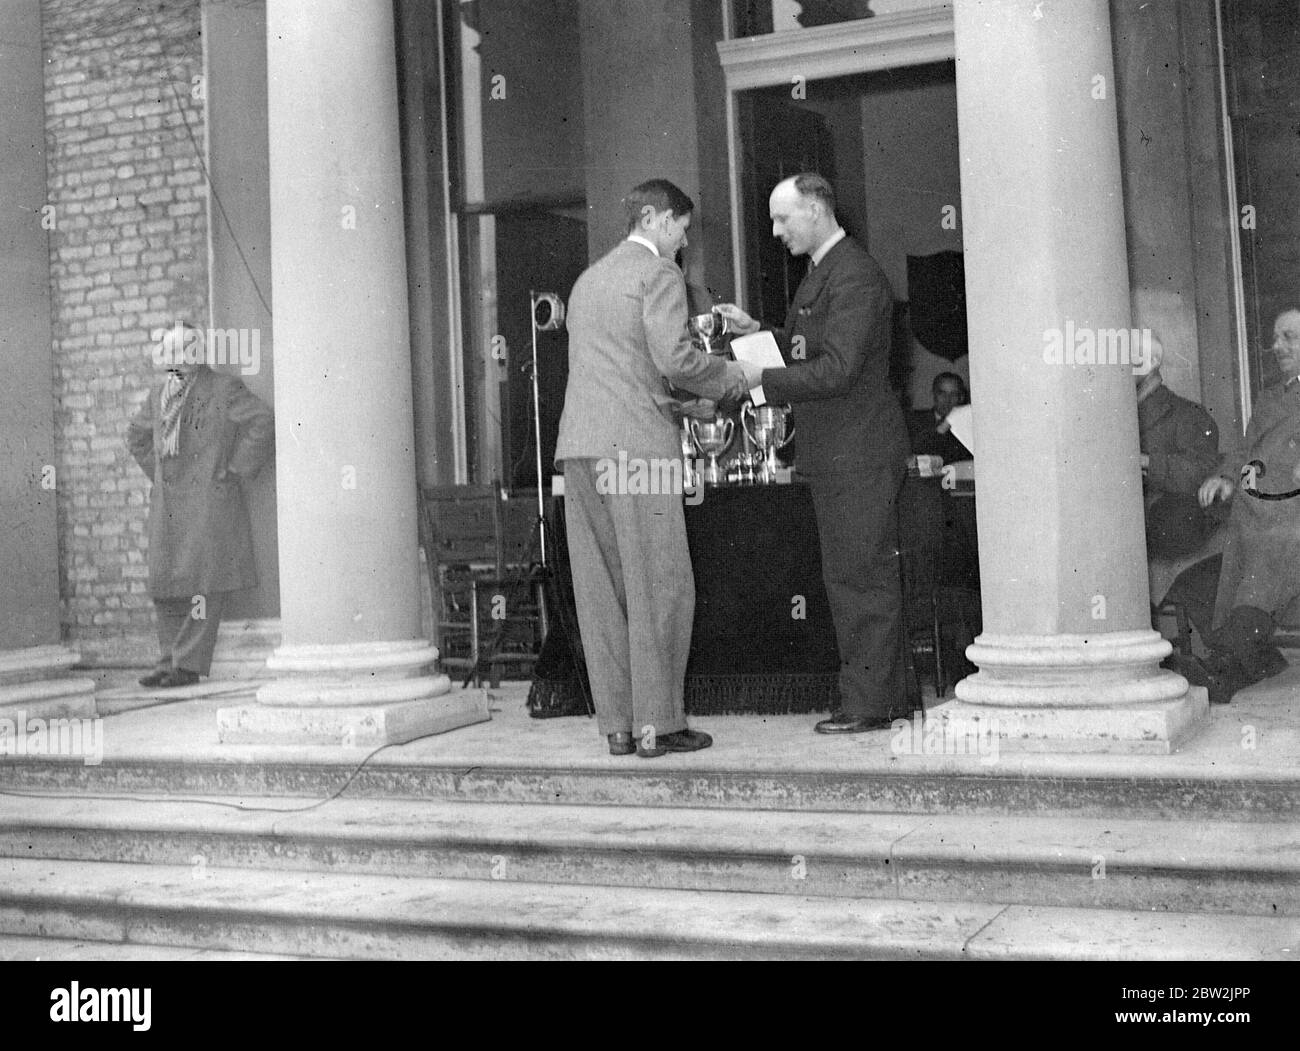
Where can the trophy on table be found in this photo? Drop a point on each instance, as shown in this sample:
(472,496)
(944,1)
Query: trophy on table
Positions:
(769,435)
(704,327)
(712,437)
(690,476)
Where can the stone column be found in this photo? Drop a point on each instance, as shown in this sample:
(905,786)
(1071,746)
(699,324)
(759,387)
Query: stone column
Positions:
(1068,659)
(353,668)
(33,660)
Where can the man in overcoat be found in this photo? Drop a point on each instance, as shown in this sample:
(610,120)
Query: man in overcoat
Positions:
(197,436)
(1259,583)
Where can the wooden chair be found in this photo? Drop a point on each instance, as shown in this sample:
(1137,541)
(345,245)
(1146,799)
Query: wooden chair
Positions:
(487,600)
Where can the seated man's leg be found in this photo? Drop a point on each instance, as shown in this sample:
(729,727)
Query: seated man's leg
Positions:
(1194,589)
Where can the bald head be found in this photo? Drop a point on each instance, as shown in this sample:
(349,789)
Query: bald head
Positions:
(1286,341)
(180,348)
(803,212)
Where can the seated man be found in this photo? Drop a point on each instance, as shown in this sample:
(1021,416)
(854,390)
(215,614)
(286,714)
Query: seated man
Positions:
(937,531)
(928,429)
(1259,582)
(1179,441)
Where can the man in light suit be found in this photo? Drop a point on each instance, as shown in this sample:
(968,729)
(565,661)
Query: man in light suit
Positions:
(632,578)
(852,442)
(197,435)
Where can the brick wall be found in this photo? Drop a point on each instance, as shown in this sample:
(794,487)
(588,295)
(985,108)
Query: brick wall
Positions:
(128,254)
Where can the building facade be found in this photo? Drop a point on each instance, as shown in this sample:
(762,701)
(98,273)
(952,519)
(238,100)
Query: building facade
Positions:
(365,191)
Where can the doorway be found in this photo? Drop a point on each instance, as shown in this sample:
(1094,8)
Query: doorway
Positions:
(887,140)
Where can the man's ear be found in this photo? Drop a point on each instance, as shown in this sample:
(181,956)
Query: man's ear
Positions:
(647,216)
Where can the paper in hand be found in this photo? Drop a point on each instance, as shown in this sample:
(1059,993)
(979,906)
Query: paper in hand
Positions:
(759,349)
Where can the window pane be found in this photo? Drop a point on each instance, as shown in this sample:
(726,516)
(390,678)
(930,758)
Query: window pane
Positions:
(517,109)
(757,17)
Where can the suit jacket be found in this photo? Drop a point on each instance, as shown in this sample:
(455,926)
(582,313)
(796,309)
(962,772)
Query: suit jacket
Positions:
(200,539)
(627,335)
(848,418)
(1181,439)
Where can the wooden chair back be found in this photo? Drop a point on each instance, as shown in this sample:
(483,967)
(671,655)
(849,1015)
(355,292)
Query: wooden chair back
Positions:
(462,526)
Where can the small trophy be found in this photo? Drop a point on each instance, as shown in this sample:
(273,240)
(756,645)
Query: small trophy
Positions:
(704,327)
(713,437)
(769,435)
(690,476)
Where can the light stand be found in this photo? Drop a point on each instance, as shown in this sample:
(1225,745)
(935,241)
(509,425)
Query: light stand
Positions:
(548,315)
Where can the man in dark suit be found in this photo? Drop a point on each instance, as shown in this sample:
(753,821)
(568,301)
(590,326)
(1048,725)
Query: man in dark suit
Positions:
(852,442)
(198,433)
(632,578)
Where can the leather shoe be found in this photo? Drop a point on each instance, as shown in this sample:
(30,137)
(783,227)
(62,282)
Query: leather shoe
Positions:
(843,723)
(178,677)
(155,677)
(621,744)
(681,741)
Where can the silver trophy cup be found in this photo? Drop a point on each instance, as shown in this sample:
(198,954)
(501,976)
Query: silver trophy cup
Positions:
(705,327)
(712,437)
(768,433)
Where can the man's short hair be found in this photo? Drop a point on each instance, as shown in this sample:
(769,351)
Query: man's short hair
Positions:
(810,184)
(659,194)
(948,376)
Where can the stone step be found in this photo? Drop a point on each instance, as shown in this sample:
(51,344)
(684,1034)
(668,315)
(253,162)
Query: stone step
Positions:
(1023,786)
(1190,866)
(404,918)
(70,950)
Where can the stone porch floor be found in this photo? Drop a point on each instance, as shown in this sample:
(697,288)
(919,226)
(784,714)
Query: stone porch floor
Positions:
(1255,737)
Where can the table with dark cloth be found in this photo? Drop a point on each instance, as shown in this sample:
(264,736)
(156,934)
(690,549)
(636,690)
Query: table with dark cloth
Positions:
(763,639)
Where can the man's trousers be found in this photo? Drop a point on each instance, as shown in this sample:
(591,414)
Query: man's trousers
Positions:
(635,593)
(857,519)
(186,639)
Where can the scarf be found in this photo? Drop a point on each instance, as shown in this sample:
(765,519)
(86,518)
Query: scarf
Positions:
(170,403)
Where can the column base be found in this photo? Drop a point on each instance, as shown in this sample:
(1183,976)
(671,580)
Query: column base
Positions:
(1075,693)
(1142,729)
(361,727)
(352,695)
(244,647)
(32,682)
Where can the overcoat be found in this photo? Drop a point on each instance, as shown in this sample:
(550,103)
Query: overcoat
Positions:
(1182,441)
(1261,560)
(200,539)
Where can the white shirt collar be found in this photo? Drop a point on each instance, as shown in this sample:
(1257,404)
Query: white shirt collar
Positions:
(642,241)
(827,245)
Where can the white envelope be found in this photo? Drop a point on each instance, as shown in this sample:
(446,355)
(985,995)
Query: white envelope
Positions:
(759,349)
